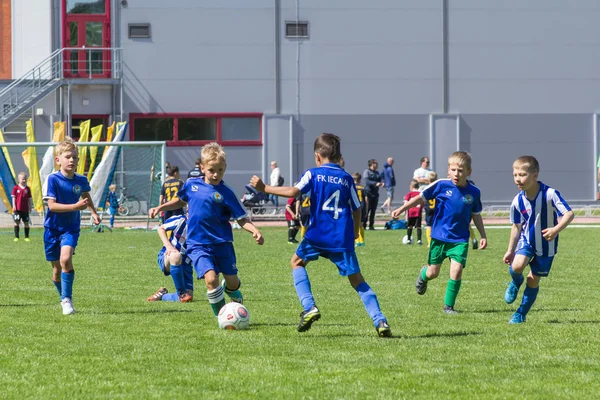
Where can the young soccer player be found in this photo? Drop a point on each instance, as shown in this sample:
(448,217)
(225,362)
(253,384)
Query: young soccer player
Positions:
(334,220)
(172,260)
(211,204)
(292,216)
(169,191)
(414,217)
(66,193)
(113,204)
(457,201)
(360,191)
(22,205)
(534,235)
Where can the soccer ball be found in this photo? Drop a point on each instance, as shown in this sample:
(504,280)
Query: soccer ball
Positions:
(405,239)
(234,316)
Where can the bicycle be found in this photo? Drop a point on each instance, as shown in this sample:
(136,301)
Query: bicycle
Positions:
(128,205)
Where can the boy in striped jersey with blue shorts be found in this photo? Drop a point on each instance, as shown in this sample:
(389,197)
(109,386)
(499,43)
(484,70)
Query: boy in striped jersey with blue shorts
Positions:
(534,235)
(172,260)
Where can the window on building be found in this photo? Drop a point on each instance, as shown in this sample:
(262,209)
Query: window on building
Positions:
(198,129)
(296,29)
(137,31)
(86,6)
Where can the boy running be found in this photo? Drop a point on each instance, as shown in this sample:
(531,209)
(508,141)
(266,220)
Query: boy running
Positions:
(456,202)
(334,219)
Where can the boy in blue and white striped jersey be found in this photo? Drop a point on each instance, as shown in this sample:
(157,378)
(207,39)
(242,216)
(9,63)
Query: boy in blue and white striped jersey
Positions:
(534,235)
(173,260)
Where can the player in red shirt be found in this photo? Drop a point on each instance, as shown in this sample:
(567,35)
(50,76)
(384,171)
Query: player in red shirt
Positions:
(414,214)
(22,204)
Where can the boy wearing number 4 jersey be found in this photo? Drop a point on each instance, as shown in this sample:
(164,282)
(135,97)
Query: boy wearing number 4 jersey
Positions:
(334,221)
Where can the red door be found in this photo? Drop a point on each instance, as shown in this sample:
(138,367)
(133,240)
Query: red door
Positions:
(87,27)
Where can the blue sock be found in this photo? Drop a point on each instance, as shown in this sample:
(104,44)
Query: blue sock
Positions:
(369,299)
(517,278)
(112,221)
(188,277)
(303,288)
(178,278)
(529,296)
(170,297)
(66,282)
(57,285)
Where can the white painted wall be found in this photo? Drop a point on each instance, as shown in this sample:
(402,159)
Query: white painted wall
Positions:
(31,33)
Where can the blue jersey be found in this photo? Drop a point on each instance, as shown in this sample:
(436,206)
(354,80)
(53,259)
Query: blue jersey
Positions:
(64,191)
(112,200)
(454,207)
(333,197)
(210,208)
(177,225)
(536,215)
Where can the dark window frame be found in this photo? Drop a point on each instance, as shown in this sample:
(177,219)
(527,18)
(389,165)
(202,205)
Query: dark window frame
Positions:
(139,36)
(218,116)
(298,26)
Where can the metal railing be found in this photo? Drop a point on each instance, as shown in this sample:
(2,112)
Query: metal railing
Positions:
(48,75)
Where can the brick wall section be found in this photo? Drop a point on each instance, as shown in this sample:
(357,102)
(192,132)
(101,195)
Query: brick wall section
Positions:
(5,40)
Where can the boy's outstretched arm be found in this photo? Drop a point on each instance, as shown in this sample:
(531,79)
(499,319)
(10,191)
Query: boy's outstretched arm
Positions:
(249,226)
(283,191)
(565,220)
(90,204)
(478,221)
(162,233)
(174,204)
(512,244)
(415,201)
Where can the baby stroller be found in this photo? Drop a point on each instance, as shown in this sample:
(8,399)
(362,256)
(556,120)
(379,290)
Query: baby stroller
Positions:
(255,200)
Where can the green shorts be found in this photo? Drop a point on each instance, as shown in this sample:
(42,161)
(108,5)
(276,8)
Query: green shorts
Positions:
(439,251)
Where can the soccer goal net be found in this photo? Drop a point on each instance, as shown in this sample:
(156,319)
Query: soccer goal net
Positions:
(136,168)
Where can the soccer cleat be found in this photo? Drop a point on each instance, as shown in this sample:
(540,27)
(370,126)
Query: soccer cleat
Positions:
(158,295)
(421,285)
(475,244)
(15,239)
(517,318)
(511,293)
(450,310)
(383,329)
(419,242)
(27,240)
(185,298)
(67,306)
(360,244)
(307,318)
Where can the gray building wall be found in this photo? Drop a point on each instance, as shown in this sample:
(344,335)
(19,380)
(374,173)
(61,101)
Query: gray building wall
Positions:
(518,77)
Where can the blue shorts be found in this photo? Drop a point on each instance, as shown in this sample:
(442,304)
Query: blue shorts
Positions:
(54,240)
(161,261)
(217,257)
(540,266)
(346,262)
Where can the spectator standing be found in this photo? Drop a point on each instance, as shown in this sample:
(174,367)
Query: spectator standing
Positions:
(274,181)
(421,174)
(196,172)
(389,179)
(373,182)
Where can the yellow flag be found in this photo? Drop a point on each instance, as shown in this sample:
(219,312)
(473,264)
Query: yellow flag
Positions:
(7,156)
(96,133)
(30,158)
(59,131)
(4,197)
(109,137)
(84,135)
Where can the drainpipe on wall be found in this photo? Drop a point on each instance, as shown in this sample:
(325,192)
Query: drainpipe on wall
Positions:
(445,66)
(277,57)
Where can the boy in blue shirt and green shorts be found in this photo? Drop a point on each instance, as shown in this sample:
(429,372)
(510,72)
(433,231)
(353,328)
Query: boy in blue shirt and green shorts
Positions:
(457,201)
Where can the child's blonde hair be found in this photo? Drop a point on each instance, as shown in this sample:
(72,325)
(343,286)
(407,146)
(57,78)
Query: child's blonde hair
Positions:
(22,174)
(432,176)
(530,163)
(112,187)
(212,152)
(66,145)
(460,158)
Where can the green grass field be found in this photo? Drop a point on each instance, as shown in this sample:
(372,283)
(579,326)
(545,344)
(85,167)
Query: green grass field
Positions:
(119,346)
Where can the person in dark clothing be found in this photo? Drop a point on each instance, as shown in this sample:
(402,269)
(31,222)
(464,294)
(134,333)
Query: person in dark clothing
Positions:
(373,181)
(389,179)
(196,172)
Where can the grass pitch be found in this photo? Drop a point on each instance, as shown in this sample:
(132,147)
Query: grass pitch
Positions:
(119,346)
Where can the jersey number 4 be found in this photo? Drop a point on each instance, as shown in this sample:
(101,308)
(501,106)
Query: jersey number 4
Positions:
(335,198)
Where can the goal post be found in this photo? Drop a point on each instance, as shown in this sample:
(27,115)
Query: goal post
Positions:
(136,168)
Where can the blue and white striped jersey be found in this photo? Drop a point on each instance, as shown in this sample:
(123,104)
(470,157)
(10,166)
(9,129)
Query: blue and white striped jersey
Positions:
(177,225)
(536,215)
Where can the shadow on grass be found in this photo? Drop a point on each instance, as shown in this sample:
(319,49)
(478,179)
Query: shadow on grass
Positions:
(19,305)
(504,310)
(141,312)
(555,321)
(439,335)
